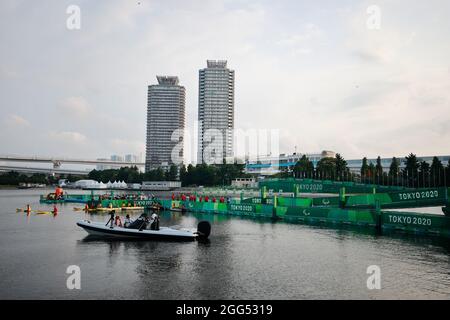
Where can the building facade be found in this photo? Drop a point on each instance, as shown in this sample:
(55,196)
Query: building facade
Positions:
(354,165)
(269,165)
(165,114)
(272,165)
(215,111)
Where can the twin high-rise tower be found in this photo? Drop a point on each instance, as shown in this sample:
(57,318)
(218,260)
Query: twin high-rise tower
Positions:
(215,110)
(166,113)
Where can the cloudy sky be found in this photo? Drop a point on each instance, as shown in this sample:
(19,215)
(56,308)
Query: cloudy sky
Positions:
(317,70)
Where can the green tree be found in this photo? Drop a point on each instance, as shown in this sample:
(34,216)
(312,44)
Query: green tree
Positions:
(394,167)
(341,167)
(424,174)
(190,175)
(447,174)
(364,167)
(378,170)
(326,168)
(394,170)
(172,173)
(411,170)
(437,172)
(183,174)
(304,168)
(371,172)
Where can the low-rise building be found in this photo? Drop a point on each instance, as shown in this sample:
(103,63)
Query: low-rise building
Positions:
(269,165)
(244,183)
(160,185)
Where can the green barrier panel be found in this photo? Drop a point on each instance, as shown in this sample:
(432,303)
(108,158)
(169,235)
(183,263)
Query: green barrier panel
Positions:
(330,215)
(322,186)
(400,199)
(325,202)
(242,207)
(387,220)
(294,202)
(416,222)
(257,200)
(420,195)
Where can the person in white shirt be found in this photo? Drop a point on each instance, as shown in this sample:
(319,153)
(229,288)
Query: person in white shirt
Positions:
(127,221)
(154,222)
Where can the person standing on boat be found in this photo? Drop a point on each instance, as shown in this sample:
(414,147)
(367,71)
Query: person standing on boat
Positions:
(154,222)
(111,219)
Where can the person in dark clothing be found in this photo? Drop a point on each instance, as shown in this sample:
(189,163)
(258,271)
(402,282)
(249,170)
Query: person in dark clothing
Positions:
(140,223)
(111,219)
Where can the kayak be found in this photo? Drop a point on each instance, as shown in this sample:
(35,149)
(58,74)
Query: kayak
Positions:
(43,212)
(34,211)
(106,209)
(164,233)
(132,208)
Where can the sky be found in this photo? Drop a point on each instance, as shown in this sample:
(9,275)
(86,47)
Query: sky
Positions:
(322,72)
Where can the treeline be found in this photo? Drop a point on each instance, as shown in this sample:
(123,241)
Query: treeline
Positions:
(202,174)
(13,178)
(133,175)
(211,175)
(415,172)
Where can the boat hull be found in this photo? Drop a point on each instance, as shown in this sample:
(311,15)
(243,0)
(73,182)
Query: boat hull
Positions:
(164,234)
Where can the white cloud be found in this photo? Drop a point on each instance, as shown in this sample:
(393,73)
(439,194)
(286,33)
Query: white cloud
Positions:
(68,137)
(310,31)
(77,106)
(123,146)
(16,120)
(8,73)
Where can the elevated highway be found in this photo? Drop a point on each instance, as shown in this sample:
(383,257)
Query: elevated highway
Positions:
(43,170)
(57,161)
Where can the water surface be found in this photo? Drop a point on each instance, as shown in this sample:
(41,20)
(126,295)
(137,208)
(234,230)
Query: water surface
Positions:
(245,259)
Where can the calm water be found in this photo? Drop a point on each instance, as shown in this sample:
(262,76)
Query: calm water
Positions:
(245,259)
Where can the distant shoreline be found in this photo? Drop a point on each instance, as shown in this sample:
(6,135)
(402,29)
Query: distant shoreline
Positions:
(8,187)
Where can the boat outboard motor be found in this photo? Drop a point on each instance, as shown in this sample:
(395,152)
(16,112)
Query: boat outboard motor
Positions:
(203,229)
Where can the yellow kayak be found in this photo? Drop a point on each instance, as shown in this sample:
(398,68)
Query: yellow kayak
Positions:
(105,209)
(132,208)
(34,211)
(43,212)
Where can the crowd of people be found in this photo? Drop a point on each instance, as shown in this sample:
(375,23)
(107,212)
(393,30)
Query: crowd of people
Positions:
(126,197)
(194,198)
(143,222)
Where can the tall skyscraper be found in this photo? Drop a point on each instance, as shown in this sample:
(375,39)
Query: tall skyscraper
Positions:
(165,114)
(216,108)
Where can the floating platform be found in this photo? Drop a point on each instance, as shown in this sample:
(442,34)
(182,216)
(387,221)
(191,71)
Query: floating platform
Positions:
(71,198)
